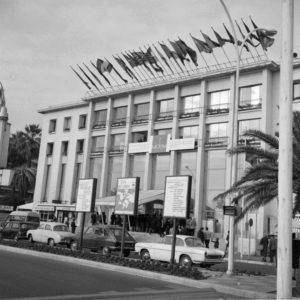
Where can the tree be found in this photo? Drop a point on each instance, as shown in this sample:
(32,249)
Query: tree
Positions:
(259,183)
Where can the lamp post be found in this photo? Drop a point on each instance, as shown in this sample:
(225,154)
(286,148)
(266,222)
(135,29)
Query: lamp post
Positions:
(234,130)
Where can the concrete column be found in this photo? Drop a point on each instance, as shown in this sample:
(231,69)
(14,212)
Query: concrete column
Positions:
(4,136)
(200,169)
(149,157)
(126,157)
(105,163)
(176,112)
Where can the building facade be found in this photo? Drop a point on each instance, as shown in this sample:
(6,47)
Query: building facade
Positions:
(175,127)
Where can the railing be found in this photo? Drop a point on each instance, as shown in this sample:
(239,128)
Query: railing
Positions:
(242,140)
(217,109)
(117,149)
(99,125)
(250,104)
(217,141)
(190,113)
(164,116)
(97,150)
(118,122)
(140,119)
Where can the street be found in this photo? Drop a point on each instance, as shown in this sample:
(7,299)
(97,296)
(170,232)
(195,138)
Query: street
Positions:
(24,276)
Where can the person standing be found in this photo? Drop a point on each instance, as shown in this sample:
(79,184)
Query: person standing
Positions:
(200,235)
(207,237)
(264,247)
(73,226)
(191,225)
(273,249)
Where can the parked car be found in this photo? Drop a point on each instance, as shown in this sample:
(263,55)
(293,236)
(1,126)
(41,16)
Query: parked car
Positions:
(105,238)
(16,230)
(51,233)
(22,216)
(189,250)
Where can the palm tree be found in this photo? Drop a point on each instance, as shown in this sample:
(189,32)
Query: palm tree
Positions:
(259,183)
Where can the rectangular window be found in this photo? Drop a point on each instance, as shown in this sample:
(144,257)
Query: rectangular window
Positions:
(100,117)
(218,102)
(79,146)
(161,170)
(49,150)
(52,126)
(61,182)
(139,137)
(98,143)
(47,183)
(163,131)
(64,148)
(67,123)
(166,108)
(191,105)
(250,97)
(120,114)
(246,125)
(217,134)
(137,167)
(296,91)
(188,131)
(95,171)
(82,121)
(141,114)
(118,142)
(114,172)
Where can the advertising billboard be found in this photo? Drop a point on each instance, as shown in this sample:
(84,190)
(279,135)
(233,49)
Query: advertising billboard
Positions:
(86,195)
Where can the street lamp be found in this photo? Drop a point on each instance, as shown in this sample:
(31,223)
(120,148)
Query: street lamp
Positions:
(234,128)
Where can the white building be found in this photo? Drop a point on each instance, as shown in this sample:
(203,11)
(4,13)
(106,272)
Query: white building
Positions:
(173,127)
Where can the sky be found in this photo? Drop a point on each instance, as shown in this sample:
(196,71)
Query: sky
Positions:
(41,39)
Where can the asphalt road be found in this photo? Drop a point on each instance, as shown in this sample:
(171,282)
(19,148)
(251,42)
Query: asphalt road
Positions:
(29,277)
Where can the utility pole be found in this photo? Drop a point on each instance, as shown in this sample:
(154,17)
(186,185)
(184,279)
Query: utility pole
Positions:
(284,247)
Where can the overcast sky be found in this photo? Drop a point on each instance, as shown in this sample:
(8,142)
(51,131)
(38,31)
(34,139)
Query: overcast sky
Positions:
(40,39)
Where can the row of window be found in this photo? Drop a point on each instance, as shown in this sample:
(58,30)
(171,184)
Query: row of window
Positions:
(67,123)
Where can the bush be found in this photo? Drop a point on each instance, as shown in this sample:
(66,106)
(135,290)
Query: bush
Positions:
(154,266)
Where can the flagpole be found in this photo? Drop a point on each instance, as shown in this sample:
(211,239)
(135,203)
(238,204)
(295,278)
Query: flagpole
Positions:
(127,70)
(82,80)
(189,62)
(140,74)
(202,56)
(91,81)
(143,70)
(174,65)
(150,65)
(177,63)
(163,59)
(96,78)
(166,72)
(113,78)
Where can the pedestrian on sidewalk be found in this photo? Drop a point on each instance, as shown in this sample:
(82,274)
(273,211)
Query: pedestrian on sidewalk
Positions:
(216,244)
(207,237)
(273,249)
(200,235)
(264,242)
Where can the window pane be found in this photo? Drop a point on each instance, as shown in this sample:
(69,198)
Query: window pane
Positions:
(189,131)
(161,170)
(115,172)
(118,139)
(138,137)
(120,112)
(137,167)
(142,109)
(296,91)
(95,171)
(98,143)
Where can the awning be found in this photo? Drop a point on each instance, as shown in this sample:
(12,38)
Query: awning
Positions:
(26,207)
(144,197)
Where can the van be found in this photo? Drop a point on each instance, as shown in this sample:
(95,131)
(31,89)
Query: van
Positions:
(23,216)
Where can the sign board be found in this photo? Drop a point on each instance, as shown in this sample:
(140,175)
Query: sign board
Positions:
(6,208)
(177,196)
(158,143)
(229,210)
(45,208)
(138,147)
(86,195)
(127,196)
(181,144)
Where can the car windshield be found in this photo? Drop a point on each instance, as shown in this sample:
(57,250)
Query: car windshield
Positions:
(118,233)
(193,242)
(61,228)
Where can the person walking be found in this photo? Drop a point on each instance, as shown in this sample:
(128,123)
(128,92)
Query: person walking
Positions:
(200,235)
(273,249)
(207,237)
(73,225)
(191,225)
(264,242)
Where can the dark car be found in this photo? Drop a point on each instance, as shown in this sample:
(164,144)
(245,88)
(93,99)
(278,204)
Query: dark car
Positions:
(105,238)
(16,230)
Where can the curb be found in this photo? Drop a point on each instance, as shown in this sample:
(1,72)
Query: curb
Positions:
(147,274)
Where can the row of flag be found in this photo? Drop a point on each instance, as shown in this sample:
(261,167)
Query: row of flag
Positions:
(162,60)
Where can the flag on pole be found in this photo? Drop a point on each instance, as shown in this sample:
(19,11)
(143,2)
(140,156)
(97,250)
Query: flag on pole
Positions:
(191,52)
(243,36)
(264,36)
(82,80)
(163,59)
(252,35)
(87,76)
(231,38)
(209,41)
(139,58)
(181,53)
(102,67)
(130,60)
(96,78)
(168,52)
(221,41)
(117,72)
(125,68)
(201,46)
(150,57)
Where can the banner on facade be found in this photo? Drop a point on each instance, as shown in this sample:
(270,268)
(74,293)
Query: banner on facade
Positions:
(86,195)
(138,147)
(158,143)
(177,196)
(127,196)
(181,144)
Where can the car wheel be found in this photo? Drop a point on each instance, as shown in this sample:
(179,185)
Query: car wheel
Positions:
(185,261)
(73,246)
(126,252)
(51,243)
(16,238)
(145,255)
(30,238)
(105,251)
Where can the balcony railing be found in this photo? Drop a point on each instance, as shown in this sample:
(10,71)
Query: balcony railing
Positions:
(164,116)
(117,149)
(242,140)
(97,150)
(140,119)
(217,141)
(99,125)
(217,109)
(250,104)
(121,122)
(190,113)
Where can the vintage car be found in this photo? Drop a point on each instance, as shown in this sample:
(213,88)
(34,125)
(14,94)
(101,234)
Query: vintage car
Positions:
(16,230)
(51,233)
(105,238)
(188,250)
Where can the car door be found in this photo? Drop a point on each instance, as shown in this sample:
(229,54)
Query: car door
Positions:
(162,251)
(88,240)
(15,226)
(46,234)
(6,230)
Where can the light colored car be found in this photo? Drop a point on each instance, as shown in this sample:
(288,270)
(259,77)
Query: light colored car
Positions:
(51,233)
(189,250)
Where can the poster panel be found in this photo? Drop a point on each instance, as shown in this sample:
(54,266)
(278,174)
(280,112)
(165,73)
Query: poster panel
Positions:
(86,195)
(177,196)
(127,196)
